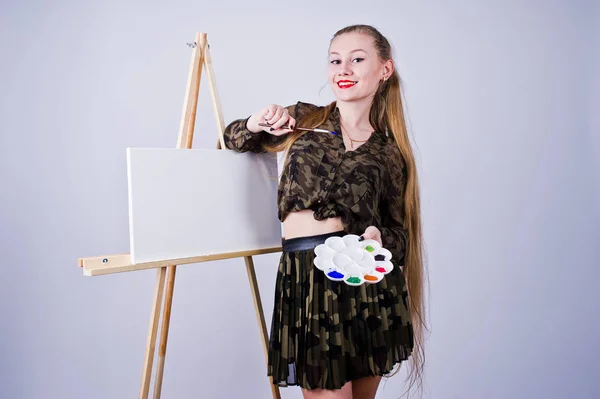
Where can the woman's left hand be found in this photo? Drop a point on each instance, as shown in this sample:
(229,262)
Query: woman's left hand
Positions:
(372,233)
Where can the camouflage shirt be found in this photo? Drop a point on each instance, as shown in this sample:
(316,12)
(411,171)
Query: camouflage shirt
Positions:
(364,187)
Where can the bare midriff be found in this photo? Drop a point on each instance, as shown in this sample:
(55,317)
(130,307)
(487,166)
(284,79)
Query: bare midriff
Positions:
(303,223)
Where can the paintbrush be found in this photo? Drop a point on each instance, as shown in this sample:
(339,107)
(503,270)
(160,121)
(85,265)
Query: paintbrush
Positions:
(305,129)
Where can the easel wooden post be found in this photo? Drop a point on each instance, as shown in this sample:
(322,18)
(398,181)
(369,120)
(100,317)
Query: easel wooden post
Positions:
(166,270)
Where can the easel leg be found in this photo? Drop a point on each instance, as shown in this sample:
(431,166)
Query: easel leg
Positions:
(151,342)
(164,332)
(184,140)
(261,317)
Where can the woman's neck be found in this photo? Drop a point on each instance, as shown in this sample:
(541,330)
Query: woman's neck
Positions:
(355,115)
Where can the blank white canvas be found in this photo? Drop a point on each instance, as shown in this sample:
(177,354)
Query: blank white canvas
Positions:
(194,202)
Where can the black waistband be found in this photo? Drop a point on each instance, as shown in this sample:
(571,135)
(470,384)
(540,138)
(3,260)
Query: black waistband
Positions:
(309,242)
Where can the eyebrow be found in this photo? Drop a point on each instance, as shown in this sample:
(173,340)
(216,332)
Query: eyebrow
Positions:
(353,51)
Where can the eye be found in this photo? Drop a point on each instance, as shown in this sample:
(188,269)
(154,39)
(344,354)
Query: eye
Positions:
(335,62)
(358,59)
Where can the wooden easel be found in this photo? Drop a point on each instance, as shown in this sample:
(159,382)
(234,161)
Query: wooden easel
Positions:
(166,269)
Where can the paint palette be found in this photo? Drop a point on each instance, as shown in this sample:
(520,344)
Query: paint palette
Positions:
(352,261)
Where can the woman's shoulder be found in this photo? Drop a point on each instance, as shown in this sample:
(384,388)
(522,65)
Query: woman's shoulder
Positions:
(302,108)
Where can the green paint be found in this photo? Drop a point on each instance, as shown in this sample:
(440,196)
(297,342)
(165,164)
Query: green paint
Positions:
(353,280)
(369,248)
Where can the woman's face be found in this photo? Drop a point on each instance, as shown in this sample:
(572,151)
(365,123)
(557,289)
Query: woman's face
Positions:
(355,69)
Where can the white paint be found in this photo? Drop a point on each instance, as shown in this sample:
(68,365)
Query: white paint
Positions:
(185,203)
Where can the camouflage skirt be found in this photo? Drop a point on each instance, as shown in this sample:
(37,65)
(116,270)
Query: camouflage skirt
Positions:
(325,333)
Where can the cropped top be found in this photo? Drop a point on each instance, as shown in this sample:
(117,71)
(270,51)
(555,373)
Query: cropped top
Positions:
(364,186)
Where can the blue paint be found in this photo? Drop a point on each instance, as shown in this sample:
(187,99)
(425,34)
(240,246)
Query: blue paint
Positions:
(335,274)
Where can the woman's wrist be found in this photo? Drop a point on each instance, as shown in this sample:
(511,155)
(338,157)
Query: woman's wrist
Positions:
(252,126)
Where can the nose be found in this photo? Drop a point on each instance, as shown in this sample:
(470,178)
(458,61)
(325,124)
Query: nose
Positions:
(344,69)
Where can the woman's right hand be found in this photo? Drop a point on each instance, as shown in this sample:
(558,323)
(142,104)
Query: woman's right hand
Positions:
(276,116)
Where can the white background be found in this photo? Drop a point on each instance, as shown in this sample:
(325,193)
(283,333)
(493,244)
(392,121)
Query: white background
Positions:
(502,99)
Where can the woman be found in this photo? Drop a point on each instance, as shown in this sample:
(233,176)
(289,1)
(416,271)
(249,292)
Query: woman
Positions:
(332,339)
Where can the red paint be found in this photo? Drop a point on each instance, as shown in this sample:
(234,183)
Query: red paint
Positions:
(380,269)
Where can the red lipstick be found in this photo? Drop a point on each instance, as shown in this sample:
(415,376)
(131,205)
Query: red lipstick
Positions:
(345,84)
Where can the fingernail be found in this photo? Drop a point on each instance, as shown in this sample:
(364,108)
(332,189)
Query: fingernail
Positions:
(272,129)
(361,238)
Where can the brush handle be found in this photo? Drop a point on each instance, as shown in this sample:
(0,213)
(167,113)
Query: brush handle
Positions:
(299,128)
(269,125)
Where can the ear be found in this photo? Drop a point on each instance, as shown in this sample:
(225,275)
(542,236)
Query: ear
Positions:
(388,69)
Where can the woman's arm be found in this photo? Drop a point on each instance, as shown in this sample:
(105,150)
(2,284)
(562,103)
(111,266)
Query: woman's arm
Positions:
(244,135)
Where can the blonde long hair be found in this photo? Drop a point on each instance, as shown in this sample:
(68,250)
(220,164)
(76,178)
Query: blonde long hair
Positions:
(387,114)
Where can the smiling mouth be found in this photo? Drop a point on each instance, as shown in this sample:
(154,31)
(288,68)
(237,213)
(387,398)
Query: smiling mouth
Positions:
(346,84)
